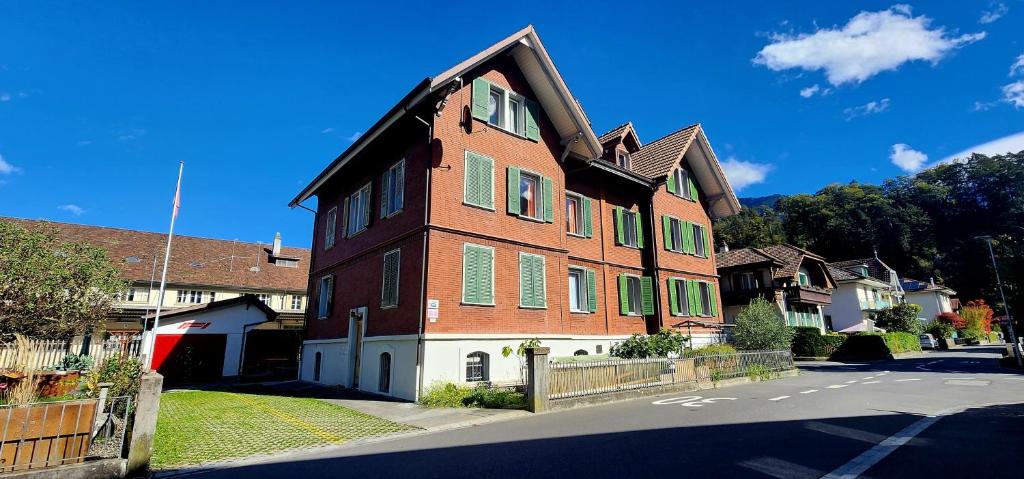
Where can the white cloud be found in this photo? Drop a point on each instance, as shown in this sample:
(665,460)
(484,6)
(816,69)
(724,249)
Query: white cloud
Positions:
(355,136)
(869,43)
(997,10)
(5,97)
(814,89)
(1007,144)
(869,108)
(73,209)
(1018,66)
(327,130)
(983,105)
(742,174)
(907,158)
(1013,93)
(7,168)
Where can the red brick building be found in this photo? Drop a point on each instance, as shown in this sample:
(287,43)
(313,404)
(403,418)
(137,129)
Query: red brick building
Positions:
(482,210)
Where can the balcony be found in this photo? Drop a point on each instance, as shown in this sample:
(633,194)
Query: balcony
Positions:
(808,294)
(874,305)
(742,297)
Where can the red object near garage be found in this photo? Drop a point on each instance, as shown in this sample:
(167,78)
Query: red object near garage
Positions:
(185,358)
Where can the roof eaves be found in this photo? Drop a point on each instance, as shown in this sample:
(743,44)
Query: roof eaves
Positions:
(622,172)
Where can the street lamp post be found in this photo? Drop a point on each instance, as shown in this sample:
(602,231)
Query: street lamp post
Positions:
(1006,306)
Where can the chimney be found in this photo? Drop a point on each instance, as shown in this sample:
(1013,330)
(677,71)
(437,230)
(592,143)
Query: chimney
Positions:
(724,248)
(277,244)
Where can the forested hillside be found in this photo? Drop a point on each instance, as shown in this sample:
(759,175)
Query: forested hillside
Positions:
(925,226)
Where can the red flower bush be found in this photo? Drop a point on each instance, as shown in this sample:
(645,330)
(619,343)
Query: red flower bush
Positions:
(952,319)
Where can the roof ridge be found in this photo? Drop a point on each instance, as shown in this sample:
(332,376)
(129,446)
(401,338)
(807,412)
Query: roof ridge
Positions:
(671,134)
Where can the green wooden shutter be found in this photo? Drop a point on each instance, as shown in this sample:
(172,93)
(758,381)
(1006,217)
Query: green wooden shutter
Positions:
(693,188)
(513,191)
(481,98)
(526,290)
(666,231)
(647,295)
(588,222)
(620,236)
(470,275)
(539,281)
(672,300)
(548,193)
(704,239)
(623,294)
(639,231)
(485,175)
(713,299)
(591,291)
(532,120)
(472,187)
(689,246)
(365,198)
(384,194)
(487,276)
(694,295)
(672,186)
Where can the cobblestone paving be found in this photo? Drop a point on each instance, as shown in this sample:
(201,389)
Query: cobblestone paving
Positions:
(195,427)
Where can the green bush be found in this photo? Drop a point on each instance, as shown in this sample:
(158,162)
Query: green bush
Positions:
(76,362)
(660,345)
(940,329)
(759,372)
(901,342)
(993,337)
(443,394)
(760,327)
(900,318)
(809,342)
(710,350)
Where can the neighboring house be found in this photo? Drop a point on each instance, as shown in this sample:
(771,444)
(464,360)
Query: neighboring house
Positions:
(797,281)
(934,299)
(863,287)
(482,211)
(201,270)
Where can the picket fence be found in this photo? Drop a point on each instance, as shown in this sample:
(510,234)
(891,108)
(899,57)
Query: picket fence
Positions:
(44,354)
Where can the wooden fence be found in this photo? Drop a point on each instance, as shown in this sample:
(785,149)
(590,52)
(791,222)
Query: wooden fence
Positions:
(43,354)
(589,378)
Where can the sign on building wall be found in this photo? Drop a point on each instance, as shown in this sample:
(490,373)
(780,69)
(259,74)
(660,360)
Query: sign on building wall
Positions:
(433,308)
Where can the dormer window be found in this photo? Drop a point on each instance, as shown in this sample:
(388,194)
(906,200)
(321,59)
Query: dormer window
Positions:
(623,160)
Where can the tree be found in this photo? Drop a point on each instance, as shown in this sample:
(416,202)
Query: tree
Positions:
(977,319)
(752,228)
(659,345)
(760,327)
(900,317)
(954,320)
(50,288)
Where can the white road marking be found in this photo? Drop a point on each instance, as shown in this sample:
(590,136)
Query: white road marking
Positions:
(779,398)
(957,379)
(871,382)
(678,400)
(851,382)
(809,391)
(911,379)
(872,456)
(869,377)
(837,386)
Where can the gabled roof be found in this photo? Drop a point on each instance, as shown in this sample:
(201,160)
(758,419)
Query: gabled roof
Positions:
(849,274)
(786,257)
(876,268)
(249,299)
(194,261)
(621,132)
(560,107)
(916,286)
(658,158)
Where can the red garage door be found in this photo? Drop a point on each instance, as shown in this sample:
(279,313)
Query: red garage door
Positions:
(184,358)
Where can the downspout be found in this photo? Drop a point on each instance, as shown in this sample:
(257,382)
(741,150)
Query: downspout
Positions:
(654,258)
(423,255)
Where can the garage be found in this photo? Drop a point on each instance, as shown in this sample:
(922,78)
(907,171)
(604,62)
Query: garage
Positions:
(206,342)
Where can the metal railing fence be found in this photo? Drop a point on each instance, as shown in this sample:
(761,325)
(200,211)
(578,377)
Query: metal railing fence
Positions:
(589,378)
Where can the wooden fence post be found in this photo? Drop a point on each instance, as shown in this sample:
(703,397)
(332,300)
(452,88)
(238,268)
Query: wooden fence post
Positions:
(140,449)
(537,378)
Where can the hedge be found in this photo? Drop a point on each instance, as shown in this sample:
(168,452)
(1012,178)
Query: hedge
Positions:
(877,346)
(809,342)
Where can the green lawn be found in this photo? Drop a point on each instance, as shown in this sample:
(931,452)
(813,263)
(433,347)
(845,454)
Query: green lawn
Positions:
(202,426)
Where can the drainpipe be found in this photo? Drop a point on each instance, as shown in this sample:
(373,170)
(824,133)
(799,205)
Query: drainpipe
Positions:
(424,253)
(654,258)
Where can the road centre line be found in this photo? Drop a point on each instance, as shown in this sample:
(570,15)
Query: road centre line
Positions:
(778,398)
(871,382)
(851,382)
(910,379)
(809,391)
(869,377)
(837,386)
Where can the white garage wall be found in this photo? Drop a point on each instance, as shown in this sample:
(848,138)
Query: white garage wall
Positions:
(229,321)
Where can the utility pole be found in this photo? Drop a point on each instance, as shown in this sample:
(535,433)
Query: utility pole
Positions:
(1006,306)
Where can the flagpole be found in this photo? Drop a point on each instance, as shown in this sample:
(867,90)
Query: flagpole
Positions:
(150,344)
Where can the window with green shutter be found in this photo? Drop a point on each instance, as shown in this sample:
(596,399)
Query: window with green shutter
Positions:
(647,295)
(679,301)
(578,221)
(505,109)
(530,195)
(532,292)
(389,285)
(636,295)
(479,181)
(477,274)
(672,232)
(591,290)
(628,230)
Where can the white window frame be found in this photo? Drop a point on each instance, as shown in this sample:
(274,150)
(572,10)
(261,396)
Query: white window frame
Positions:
(582,295)
(323,301)
(331,230)
(211,296)
(629,230)
(538,199)
(266,298)
(506,120)
(630,291)
(682,178)
(357,199)
(622,159)
(698,241)
(296,302)
(494,260)
(577,212)
(543,278)
(684,300)
(675,226)
(383,280)
(500,106)
(394,189)
(484,360)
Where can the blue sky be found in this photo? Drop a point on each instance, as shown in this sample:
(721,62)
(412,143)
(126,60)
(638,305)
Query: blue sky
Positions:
(99,101)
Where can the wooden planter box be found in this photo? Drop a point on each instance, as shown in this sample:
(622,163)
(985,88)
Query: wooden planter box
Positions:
(45,434)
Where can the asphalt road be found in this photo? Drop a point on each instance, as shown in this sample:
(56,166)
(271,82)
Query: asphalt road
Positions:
(839,419)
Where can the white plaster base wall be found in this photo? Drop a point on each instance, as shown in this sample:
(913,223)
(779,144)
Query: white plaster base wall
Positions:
(333,361)
(403,365)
